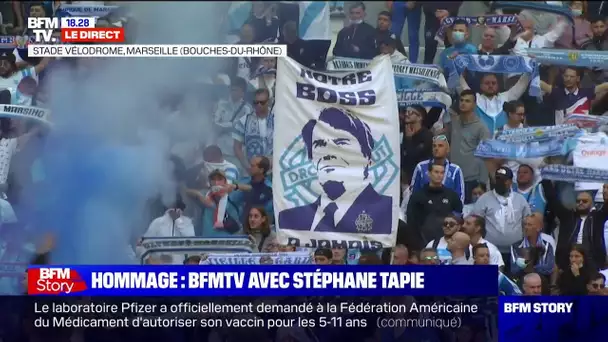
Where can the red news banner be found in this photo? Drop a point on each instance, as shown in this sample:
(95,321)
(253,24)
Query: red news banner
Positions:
(53,281)
(93,35)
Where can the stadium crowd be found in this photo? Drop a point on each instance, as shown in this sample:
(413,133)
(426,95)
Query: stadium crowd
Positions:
(457,208)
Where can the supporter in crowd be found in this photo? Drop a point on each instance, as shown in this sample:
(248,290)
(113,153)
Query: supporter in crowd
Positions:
(428,256)
(387,46)
(532,285)
(535,253)
(357,40)
(584,226)
(400,255)
(323,256)
(490,102)
(453,179)
(213,159)
(528,186)
(481,254)
(451,225)
(466,131)
(256,190)
(243,66)
(417,140)
(488,44)
(258,227)
(573,280)
(253,132)
(434,13)
(384,33)
(410,11)
(571,99)
(535,36)
(172,223)
(264,21)
(477,191)
(503,210)
(458,246)
(297,48)
(460,37)
(227,112)
(597,42)
(475,227)
(221,214)
(597,285)
(429,206)
(581,29)
(338,256)
(265,76)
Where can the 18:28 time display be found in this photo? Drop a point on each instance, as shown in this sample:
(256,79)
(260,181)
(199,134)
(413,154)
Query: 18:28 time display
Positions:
(78,22)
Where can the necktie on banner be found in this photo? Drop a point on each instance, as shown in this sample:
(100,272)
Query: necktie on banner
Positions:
(496,65)
(539,6)
(425,98)
(573,174)
(579,58)
(428,74)
(538,134)
(279,258)
(494,20)
(505,150)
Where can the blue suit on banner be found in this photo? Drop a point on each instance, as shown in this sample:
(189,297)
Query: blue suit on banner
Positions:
(348,202)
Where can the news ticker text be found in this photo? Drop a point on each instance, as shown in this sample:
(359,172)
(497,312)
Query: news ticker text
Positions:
(262,313)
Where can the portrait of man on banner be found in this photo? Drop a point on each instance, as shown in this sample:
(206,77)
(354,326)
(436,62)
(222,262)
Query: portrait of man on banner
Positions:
(340,146)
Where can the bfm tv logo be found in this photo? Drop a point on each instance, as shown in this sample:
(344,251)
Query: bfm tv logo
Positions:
(54,281)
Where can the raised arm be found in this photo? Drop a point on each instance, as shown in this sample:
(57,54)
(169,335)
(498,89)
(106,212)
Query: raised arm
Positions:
(546,87)
(518,89)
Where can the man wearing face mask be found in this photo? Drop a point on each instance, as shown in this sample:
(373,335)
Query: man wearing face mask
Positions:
(598,42)
(358,39)
(503,210)
(583,225)
(543,246)
(460,45)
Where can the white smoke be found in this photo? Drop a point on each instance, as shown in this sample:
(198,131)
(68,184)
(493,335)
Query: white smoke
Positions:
(112,142)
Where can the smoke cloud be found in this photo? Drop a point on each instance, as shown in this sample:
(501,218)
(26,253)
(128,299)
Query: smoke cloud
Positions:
(108,152)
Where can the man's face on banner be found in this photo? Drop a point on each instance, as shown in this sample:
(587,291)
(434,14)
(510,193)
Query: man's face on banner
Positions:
(338,158)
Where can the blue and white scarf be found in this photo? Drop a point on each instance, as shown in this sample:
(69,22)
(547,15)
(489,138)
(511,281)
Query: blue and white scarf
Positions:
(579,58)
(586,121)
(262,70)
(494,20)
(538,134)
(573,174)
(425,98)
(496,65)
(505,150)
(534,6)
(430,75)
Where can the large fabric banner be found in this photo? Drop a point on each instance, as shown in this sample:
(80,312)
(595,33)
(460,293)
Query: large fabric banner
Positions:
(174,250)
(287,258)
(336,160)
(407,75)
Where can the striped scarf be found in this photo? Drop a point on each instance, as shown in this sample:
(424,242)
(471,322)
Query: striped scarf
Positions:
(573,174)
